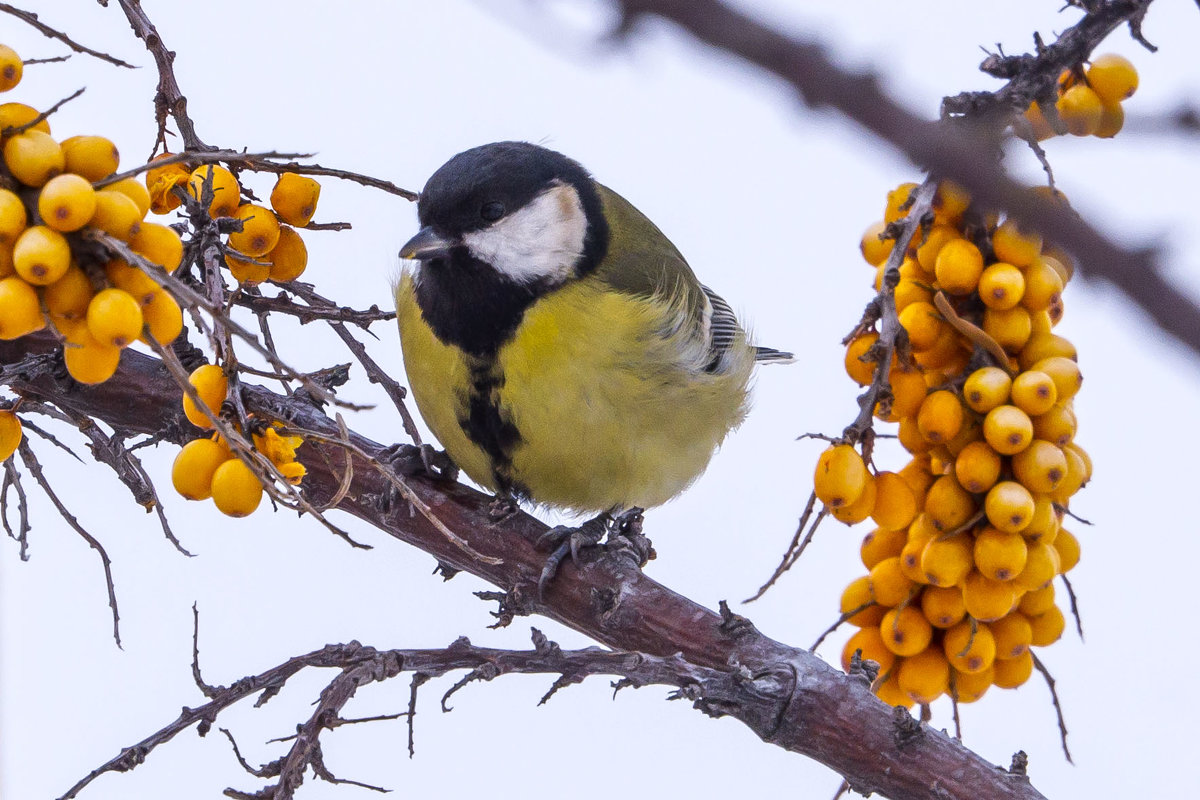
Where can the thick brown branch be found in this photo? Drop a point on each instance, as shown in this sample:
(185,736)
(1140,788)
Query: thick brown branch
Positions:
(814,709)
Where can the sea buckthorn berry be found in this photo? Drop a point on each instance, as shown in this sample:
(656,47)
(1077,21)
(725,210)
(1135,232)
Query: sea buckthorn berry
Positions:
(1000,555)
(1053,258)
(910,558)
(1074,479)
(971,648)
(874,249)
(1013,635)
(1112,119)
(20,312)
(986,388)
(935,240)
(135,191)
(1039,126)
(861,508)
(909,291)
(10,433)
(33,157)
(116,214)
(889,586)
(898,202)
(15,115)
(1040,467)
(211,385)
(1057,425)
(1068,550)
(158,244)
(114,317)
(1041,565)
(1009,673)
(13,218)
(1112,77)
(163,317)
(923,324)
(945,351)
(41,255)
(68,297)
(1037,601)
(294,198)
(236,490)
(1046,345)
(958,267)
(1034,392)
(259,233)
(1009,506)
(870,642)
(124,276)
(943,606)
(945,562)
(917,475)
(1007,429)
(882,543)
(911,269)
(858,596)
(1044,524)
(248,272)
(1084,457)
(905,631)
(889,692)
(940,416)
(880,271)
(161,182)
(67,202)
(977,467)
(87,359)
(986,599)
(950,202)
(1048,628)
(227,192)
(93,157)
(1001,286)
(11,69)
(1043,286)
(895,503)
(1011,328)
(967,688)
(841,476)
(948,505)
(192,472)
(1015,245)
(289,257)
(1065,374)
(908,392)
(861,372)
(1080,108)
(924,677)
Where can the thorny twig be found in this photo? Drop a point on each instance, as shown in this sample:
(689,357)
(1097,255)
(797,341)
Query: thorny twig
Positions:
(1062,723)
(52,33)
(12,477)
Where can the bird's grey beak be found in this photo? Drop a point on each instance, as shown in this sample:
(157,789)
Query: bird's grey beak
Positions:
(426,245)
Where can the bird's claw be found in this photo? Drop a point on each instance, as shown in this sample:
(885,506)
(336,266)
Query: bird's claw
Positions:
(409,460)
(567,540)
(502,507)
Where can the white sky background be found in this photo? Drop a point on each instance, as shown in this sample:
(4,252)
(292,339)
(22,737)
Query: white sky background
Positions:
(767,199)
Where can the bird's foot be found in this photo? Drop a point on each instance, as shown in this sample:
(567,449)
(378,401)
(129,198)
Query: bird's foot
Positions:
(626,537)
(502,507)
(568,541)
(409,460)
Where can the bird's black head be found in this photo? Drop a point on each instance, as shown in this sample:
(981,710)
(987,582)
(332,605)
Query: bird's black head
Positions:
(502,224)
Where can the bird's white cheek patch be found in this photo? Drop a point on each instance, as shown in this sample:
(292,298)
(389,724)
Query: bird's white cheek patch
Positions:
(541,241)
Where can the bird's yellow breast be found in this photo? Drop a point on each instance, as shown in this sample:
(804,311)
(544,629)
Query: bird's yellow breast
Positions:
(602,388)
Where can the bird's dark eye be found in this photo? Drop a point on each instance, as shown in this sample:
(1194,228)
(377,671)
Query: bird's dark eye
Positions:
(492,211)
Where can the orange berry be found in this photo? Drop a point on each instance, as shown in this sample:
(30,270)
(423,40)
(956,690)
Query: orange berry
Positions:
(158,244)
(909,291)
(192,471)
(236,490)
(1056,425)
(123,275)
(227,192)
(67,202)
(1112,120)
(1007,429)
(92,157)
(1112,77)
(13,218)
(889,585)
(895,503)
(977,467)
(987,599)
(1009,506)
(897,202)
(1043,286)
(1080,108)
(1044,524)
(943,605)
(11,69)
(135,191)
(116,214)
(13,115)
(1041,565)
(940,417)
(908,392)
(986,388)
(928,250)
(861,508)
(923,323)
(1077,474)
(1065,374)
(163,317)
(889,692)
(841,476)
(1015,245)
(1068,550)
(294,198)
(1013,635)
(161,182)
(114,317)
(861,372)
(1001,286)
(870,642)
(905,631)
(924,677)
(1034,392)
(1040,467)
(970,647)
(211,385)
(289,257)
(259,233)
(950,202)
(33,157)
(998,554)
(967,688)
(1047,628)
(1009,673)
(20,312)
(41,255)
(1039,125)
(958,267)
(946,562)
(68,297)
(857,595)
(1011,328)
(882,543)
(10,433)
(873,248)
(1046,345)
(948,505)
(89,360)
(249,272)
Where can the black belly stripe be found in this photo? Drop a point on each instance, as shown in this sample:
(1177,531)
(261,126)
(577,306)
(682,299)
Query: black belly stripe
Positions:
(488,427)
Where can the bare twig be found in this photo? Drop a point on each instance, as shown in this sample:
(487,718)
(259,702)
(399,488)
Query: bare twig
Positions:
(33,20)
(1062,723)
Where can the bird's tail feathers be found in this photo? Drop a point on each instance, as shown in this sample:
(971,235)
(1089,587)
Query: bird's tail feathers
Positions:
(769,355)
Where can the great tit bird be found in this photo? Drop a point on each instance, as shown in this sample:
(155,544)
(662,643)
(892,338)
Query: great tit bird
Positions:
(557,344)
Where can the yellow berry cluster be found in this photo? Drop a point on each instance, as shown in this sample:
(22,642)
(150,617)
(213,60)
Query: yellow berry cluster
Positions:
(48,210)
(969,532)
(1089,100)
(207,467)
(272,251)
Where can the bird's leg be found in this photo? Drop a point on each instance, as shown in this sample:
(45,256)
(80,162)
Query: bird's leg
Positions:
(503,506)
(567,540)
(411,459)
(626,536)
